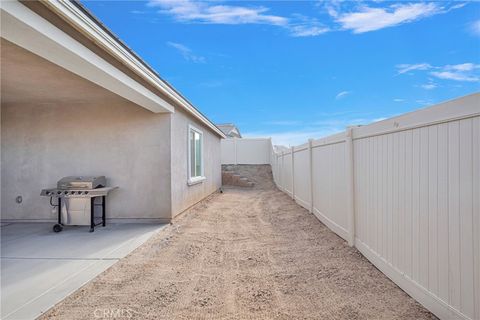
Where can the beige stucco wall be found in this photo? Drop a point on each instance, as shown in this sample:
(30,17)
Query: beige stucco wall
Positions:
(41,143)
(183,195)
(55,123)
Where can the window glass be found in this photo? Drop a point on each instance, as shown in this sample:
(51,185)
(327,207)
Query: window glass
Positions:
(196,153)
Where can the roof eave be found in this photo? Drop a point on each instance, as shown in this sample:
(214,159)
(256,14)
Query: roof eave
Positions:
(78,16)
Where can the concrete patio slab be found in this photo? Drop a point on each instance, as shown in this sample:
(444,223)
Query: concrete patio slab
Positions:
(39,267)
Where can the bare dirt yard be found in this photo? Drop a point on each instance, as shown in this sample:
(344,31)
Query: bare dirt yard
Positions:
(243,254)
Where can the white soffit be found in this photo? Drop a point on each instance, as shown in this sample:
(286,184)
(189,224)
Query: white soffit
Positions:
(30,31)
(82,22)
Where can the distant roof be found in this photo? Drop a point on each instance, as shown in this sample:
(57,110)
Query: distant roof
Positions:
(230,130)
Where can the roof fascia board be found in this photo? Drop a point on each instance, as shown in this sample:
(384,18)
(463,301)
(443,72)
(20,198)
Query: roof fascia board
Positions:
(27,29)
(90,28)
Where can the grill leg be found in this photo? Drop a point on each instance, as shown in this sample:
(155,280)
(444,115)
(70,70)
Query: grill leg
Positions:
(59,210)
(92,211)
(103,211)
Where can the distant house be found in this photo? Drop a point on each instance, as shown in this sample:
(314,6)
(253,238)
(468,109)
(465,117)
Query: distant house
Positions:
(77,101)
(230,130)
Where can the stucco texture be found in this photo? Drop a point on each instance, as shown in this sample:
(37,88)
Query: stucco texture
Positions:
(55,124)
(129,145)
(183,195)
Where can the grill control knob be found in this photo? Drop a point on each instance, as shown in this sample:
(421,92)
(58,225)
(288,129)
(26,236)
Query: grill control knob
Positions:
(86,192)
(59,192)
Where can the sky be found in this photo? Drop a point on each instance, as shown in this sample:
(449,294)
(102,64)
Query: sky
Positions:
(294,70)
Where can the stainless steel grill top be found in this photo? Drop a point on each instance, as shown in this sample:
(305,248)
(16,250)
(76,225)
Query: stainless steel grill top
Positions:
(79,182)
(79,187)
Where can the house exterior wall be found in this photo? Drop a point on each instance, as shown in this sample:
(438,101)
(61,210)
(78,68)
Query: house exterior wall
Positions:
(183,195)
(43,142)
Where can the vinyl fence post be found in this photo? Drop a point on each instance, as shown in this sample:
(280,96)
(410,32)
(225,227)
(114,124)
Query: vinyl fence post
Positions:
(310,163)
(293,174)
(275,168)
(235,149)
(281,172)
(269,151)
(350,185)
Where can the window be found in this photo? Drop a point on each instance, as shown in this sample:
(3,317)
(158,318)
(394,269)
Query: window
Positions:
(195,155)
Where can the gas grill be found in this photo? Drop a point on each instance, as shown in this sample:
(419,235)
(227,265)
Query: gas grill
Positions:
(75,200)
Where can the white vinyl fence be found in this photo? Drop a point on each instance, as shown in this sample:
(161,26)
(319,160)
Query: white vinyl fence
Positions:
(246,150)
(405,191)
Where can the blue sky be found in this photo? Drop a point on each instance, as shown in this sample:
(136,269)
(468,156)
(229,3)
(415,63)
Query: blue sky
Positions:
(295,70)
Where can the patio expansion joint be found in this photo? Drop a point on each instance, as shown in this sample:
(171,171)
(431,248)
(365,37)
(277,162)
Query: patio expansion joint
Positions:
(94,265)
(51,289)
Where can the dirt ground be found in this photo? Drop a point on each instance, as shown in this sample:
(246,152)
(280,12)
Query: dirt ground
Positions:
(243,254)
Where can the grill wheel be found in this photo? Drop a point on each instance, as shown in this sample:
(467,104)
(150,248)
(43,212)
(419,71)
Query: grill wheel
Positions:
(57,228)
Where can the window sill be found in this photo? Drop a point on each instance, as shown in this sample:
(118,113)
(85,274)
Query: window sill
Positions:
(196,180)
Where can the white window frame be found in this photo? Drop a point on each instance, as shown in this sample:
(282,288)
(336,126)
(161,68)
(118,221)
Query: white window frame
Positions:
(194,180)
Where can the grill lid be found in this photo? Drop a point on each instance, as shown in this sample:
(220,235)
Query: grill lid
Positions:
(81,182)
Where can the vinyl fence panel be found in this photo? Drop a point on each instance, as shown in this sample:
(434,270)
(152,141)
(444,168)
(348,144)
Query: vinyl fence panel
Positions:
(302,176)
(405,191)
(228,151)
(246,151)
(287,178)
(329,185)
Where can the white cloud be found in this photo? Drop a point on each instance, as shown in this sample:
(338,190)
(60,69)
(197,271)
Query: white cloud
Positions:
(333,7)
(458,6)
(203,12)
(462,67)
(398,100)
(190,11)
(457,72)
(307,30)
(457,76)
(475,28)
(306,27)
(342,94)
(404,68)
(370,19)
(364,19)
(429,86)
(424,102)
(186,52)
